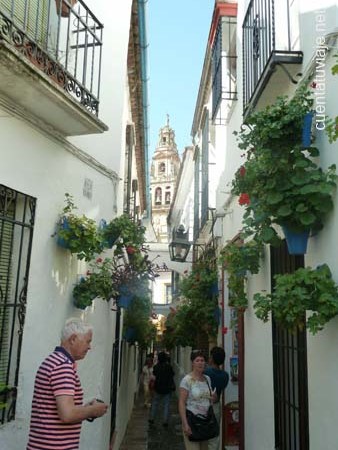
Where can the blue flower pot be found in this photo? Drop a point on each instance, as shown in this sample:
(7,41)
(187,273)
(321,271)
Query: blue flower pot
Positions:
(296,241)
(130,334)
(124,301)
(306,131)
(109,241)
(214,289)
(64,225)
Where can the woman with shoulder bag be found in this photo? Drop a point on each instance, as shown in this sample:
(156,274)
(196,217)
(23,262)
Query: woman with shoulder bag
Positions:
(195,406)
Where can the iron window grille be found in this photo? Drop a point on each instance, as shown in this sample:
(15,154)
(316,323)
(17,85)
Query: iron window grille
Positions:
(67,49)
(268,40)
(289,370)
(17,215)
(224,69)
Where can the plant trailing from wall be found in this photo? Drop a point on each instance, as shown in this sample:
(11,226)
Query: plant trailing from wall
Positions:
(238,258)
(279,183)
(78,233)
(306,290)
(136,321)
(124,233)
(98,282)
(196,313)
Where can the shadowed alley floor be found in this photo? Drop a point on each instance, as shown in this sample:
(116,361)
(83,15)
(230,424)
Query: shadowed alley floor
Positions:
(142,436)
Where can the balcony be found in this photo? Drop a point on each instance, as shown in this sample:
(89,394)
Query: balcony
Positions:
(50,64)
(270,53)
(224,63)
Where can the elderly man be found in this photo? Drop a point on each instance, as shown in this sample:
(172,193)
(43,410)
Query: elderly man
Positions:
(57,409)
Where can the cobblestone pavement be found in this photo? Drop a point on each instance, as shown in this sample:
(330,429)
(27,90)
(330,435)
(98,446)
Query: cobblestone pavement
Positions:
(142,436)
(161,438)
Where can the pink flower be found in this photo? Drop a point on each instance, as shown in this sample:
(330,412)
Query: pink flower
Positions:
(99,260)
(242,171)
(224,330)
(313,85)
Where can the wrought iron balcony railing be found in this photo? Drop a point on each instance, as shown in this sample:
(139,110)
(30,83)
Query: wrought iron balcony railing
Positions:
(62,38)
(269,39)
(224,68)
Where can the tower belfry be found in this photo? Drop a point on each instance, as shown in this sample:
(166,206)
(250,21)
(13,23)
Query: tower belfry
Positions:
(164,171)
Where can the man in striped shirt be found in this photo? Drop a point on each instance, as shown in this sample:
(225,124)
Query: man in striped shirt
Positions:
(57,409)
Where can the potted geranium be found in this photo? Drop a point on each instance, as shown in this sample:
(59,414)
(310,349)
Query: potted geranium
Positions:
(77,233)
(280,183)
(307,290)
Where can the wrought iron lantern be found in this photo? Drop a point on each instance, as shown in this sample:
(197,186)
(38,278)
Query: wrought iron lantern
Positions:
(179,246)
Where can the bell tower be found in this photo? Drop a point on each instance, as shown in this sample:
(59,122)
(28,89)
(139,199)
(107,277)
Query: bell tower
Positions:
(163,176)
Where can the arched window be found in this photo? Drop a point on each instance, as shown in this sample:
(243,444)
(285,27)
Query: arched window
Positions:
(161,167)
(158,196)
(167,198)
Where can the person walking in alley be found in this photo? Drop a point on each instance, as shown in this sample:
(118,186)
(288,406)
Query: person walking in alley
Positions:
(219,381)
(147,375)
(57,409)
(164,386)
(195,397)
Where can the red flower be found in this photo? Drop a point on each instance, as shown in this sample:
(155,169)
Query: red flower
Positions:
(99,260)
(130,250)
(224,330)
(244,199)
(221,303)
(242,171)
(313,85)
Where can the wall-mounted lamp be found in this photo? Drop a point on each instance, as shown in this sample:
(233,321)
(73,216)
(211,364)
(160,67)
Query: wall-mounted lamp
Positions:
(179,246)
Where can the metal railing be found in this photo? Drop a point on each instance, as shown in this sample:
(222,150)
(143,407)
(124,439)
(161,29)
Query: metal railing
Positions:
(266,31)
(224,67)
(63,38)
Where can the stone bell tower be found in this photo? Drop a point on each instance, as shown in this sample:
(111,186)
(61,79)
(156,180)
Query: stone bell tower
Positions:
(163,176)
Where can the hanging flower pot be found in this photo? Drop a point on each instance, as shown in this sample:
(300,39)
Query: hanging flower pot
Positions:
(214,288)
(125,298)
(61,242)
(306,131)
(130,334)
(296,241)
(109,237)
(63,9)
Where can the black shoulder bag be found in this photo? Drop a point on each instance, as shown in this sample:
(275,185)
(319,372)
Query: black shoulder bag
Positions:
(203,427)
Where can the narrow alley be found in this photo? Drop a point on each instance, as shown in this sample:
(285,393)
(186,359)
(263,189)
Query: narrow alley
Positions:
(142,436)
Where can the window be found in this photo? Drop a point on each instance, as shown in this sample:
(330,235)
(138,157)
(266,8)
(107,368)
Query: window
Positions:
(196,193)
(205,171)
(17,213)
(158,196)
(167,198)
(161,167)
(168,294)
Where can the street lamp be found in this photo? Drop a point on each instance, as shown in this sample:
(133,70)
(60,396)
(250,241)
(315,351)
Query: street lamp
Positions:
(179,246)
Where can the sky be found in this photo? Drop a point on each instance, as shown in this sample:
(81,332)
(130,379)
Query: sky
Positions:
(177,35)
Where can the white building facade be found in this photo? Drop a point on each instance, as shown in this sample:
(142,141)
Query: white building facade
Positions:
(69,124)
(257,51)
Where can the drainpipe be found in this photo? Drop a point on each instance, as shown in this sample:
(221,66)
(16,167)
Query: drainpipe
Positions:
(241,374)
(142,6)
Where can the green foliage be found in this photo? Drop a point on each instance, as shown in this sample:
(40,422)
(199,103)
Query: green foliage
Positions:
(331,125)
(196,312)
(79,233)
(97,283)
(294,294)
(125,233)
(137,317)
(238,259)
(280,183)
(4,391)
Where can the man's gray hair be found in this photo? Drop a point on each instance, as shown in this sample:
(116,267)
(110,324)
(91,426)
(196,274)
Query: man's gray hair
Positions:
(74,326)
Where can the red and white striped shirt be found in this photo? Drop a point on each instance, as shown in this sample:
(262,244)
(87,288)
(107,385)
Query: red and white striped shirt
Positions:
(57,375)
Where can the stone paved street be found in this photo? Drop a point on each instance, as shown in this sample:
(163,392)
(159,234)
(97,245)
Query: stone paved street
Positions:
(142,436)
